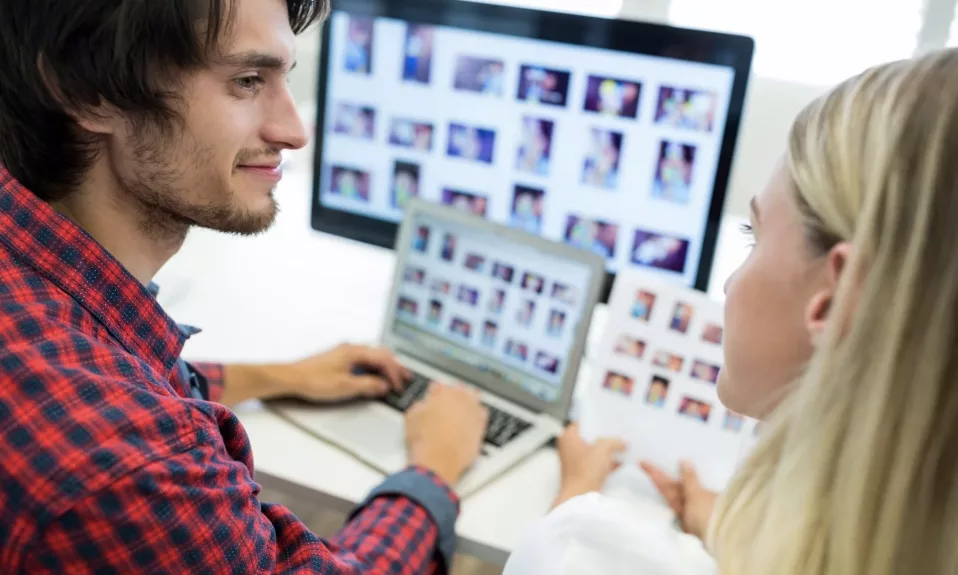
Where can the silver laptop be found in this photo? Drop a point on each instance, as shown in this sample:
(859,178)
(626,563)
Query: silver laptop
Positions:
(476,303)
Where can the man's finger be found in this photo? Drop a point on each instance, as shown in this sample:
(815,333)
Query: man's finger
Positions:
(368,385)
(382,361)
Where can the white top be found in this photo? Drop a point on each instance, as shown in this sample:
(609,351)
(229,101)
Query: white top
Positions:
(597,534)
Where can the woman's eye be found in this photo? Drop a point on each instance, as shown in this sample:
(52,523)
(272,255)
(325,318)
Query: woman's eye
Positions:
(749,232)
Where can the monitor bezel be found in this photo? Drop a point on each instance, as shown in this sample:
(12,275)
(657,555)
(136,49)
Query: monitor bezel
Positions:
(468,373)
(646,38)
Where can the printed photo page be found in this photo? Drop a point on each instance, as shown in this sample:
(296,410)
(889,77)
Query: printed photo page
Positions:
(655,382)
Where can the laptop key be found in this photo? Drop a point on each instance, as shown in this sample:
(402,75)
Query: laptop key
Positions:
(503,427)
(403,400)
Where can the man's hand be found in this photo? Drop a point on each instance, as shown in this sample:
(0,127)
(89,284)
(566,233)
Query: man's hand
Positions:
(585,466)
(327,376)
(692,503)
(444,431)
(330,376)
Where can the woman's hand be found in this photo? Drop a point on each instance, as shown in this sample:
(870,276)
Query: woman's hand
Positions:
(692,503)
(585,466)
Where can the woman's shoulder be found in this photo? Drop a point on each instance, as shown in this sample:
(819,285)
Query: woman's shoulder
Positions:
(599,534)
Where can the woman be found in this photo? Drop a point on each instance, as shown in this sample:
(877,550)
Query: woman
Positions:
(841,334)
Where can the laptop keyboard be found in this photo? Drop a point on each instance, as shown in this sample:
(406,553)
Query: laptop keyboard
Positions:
(503,427)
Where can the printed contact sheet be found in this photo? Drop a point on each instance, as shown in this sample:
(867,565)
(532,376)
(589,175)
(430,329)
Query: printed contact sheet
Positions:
(655,379)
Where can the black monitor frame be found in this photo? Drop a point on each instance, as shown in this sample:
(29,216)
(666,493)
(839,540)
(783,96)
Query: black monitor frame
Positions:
(621,35)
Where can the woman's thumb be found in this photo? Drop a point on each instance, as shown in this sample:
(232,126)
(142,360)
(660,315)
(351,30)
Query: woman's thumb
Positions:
(690,479)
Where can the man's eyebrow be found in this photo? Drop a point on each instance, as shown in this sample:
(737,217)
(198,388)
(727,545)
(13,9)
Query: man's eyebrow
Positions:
(257,60)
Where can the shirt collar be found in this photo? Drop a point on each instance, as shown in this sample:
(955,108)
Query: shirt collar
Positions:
(71,259)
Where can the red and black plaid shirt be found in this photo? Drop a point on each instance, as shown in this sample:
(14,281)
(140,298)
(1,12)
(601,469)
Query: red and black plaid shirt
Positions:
(109,465)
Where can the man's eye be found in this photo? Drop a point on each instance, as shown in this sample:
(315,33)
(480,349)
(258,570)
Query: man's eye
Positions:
(250,83)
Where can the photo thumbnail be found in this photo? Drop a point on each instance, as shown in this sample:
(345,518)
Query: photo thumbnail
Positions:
(543,85)
(405,183)
(687,109)
(465,201)
(658,391)
(533,282)
(434,316)
(471,143)
(681,317)
(355,121)
(695,409)
(535,146)
(612,97)
(412,134)
(359,45)
(659,251)
(547,362)
(673,172)
(420,242)
(528,205)
(349,183)
(461,327)
(669,361)
(629,346)
(643,304)
(517,350)
(480,75)
(448,250)
(489,332)
(407,308)
(417,58)
(565,294)
(594,235)
(601,167)
(618,383)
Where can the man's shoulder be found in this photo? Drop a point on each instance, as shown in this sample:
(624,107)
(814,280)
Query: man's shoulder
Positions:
(77,411)
(32,306)
(68,431)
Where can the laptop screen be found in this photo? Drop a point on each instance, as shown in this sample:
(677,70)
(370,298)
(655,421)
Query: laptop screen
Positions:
(498,305)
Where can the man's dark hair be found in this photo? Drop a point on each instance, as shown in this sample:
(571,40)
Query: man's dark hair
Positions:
(59,58)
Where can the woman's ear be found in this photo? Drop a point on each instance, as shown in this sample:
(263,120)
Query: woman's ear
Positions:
(818,310)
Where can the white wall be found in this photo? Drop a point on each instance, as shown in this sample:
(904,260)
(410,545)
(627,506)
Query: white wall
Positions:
(769,109)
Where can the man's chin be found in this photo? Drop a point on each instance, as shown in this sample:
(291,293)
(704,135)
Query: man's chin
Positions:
(241,221)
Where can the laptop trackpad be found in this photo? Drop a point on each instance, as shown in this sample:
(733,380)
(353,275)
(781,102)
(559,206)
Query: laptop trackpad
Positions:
(372,432)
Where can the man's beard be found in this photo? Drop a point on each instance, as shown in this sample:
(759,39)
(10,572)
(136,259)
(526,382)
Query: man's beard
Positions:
(165,214)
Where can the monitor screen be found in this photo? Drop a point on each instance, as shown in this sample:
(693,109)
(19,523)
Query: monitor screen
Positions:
(612,136)
(491,303)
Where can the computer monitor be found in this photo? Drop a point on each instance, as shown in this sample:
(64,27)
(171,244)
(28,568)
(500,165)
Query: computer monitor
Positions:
(610,135)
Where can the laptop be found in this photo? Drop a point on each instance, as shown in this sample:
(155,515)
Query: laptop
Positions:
(484,305)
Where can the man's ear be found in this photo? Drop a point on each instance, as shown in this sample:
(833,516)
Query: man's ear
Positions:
(97,119)
(819,308)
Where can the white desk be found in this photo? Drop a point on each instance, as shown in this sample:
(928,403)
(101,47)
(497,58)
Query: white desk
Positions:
(292,292)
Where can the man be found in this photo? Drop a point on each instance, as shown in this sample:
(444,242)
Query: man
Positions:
(125,123)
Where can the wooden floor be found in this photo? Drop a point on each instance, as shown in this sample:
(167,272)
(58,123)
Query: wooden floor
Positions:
(326,523)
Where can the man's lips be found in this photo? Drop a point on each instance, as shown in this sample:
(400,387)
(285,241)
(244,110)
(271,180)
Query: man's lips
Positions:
(271,170)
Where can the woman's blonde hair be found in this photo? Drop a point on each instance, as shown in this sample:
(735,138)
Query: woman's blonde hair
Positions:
(857,470)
